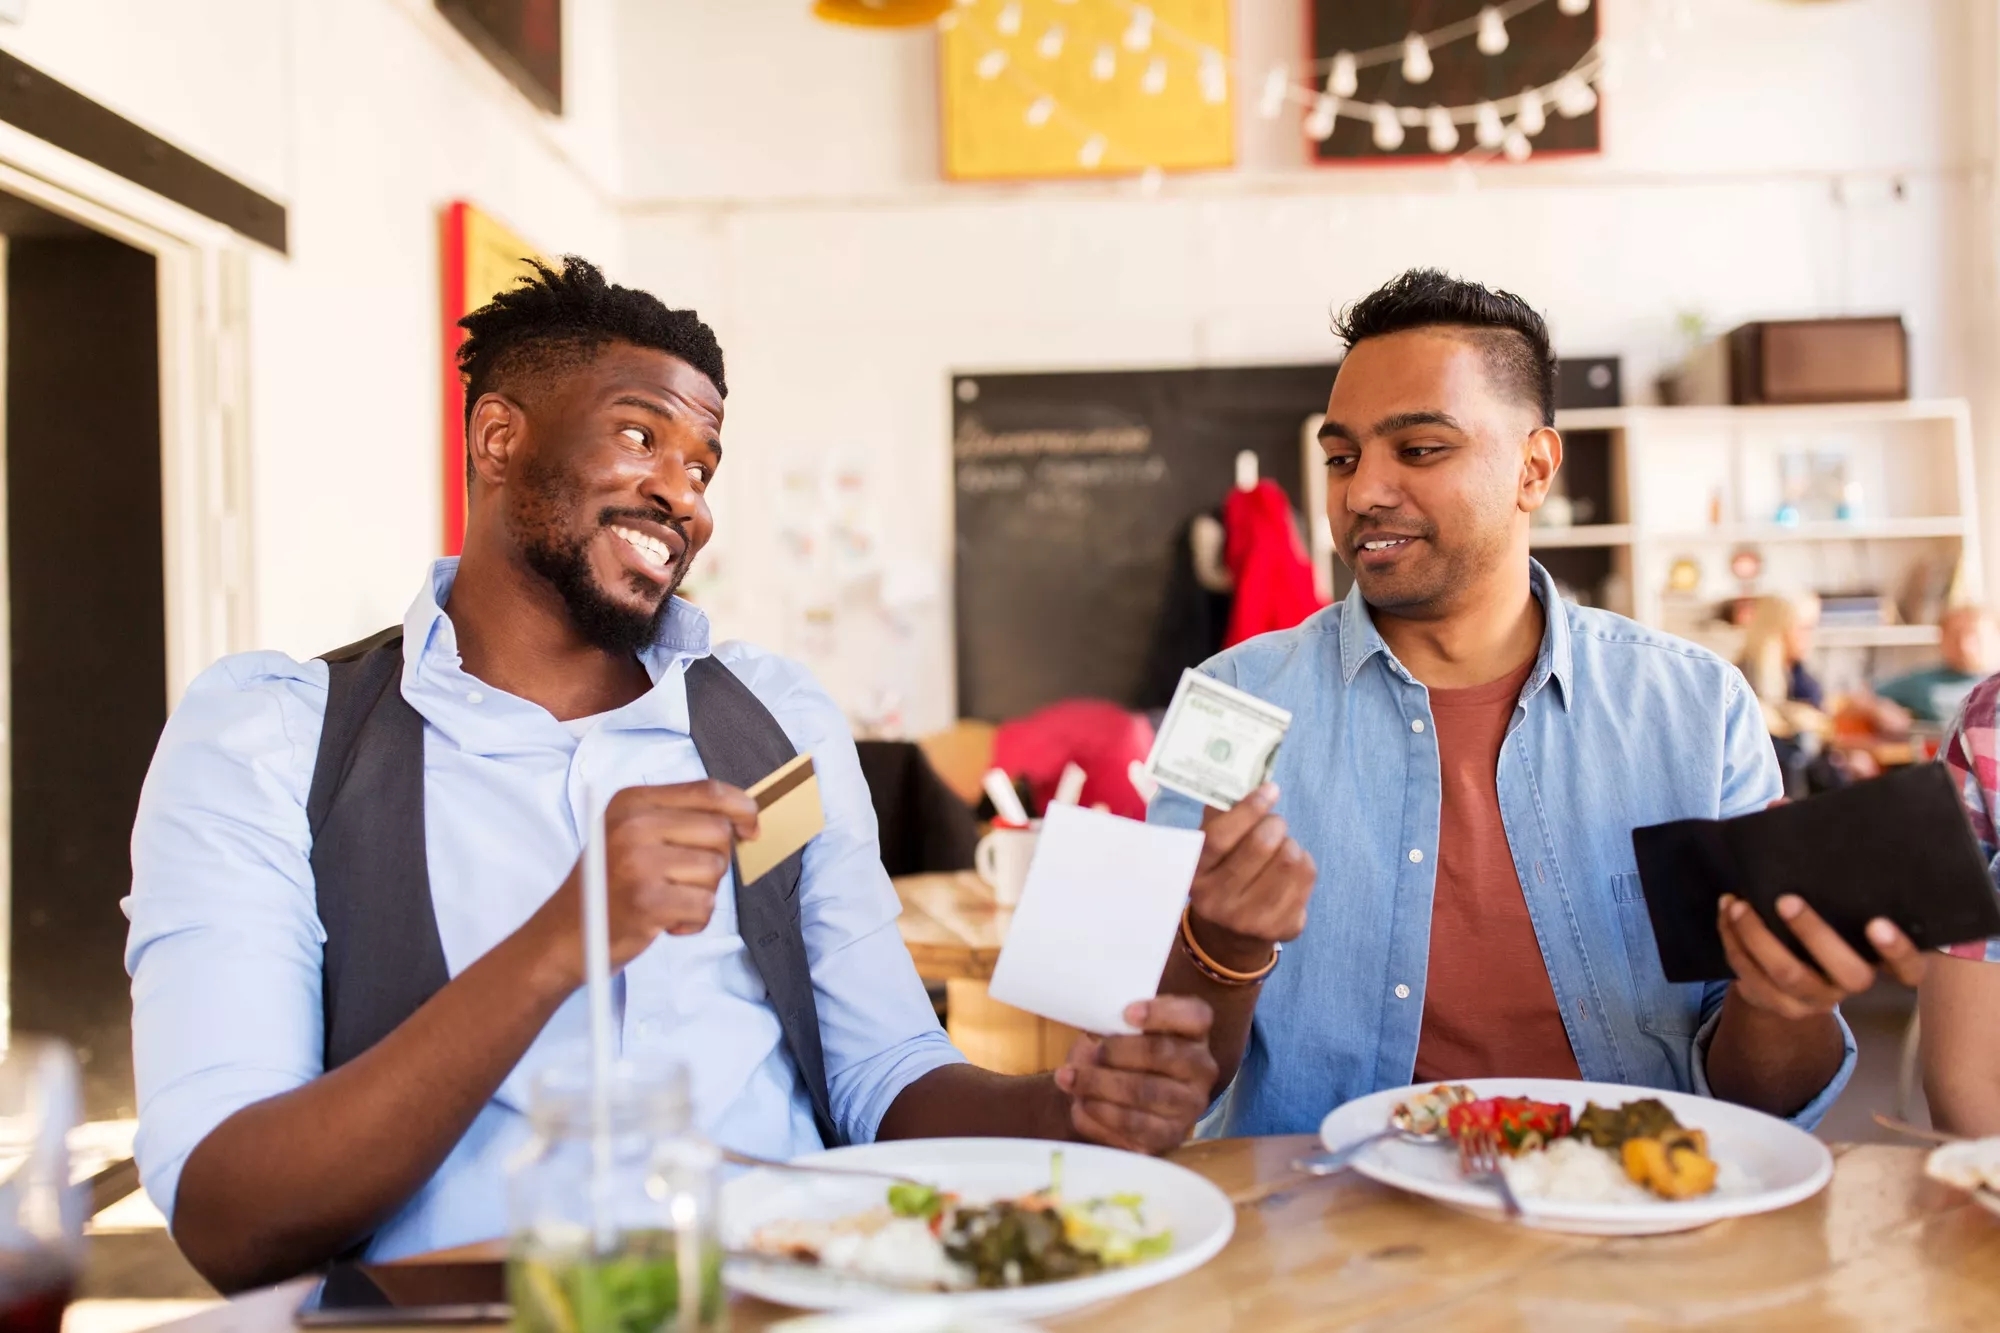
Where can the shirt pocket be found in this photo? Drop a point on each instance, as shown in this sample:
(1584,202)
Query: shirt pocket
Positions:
(1662,1007)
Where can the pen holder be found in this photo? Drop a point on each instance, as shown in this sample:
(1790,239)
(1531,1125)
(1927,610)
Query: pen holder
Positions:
(1002,859)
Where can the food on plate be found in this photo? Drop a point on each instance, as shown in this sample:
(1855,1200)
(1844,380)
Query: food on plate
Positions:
(1517,1124)
(1610,1126)
(1424,1113)
(1969,1164)
(924,1237)
(1657,1150)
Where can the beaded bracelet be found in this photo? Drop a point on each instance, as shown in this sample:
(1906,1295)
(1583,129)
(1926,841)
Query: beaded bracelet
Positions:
(1214,971)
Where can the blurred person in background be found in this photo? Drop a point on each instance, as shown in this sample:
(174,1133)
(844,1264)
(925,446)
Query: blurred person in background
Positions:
(1959,1000)
(1971,648)
(1777,643)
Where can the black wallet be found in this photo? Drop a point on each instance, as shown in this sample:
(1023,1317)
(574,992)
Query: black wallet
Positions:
(1896,847)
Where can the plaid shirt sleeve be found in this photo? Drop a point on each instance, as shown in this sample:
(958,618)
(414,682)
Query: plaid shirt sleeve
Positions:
(1971,751)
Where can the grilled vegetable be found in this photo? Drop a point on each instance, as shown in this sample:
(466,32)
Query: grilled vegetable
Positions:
(1676,1165)
(1609,1127)
(1520,1124)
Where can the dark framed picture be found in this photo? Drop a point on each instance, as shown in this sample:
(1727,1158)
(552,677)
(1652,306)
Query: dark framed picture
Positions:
(522,39)
(1482,62)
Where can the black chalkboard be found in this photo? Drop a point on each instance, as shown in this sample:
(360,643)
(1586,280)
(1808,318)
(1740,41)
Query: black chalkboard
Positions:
(1072,493)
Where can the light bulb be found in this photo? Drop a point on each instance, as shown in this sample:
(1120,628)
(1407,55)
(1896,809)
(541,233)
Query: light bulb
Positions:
(1151,179)
(1343,80)
(1214,77)
(1040,110)
(947,20)
(1388,128)
(1492,32)
(991,64)
(1008,22)
(1530,118)
(1154,81)
(1320,123)
(1091,155)
(1517,146)
(1276,85)
(1104,65)
(1442,134)
(1573,7)
(1416,59)
(1051,44)
(1574,97)
(1487,131)
(1139,33)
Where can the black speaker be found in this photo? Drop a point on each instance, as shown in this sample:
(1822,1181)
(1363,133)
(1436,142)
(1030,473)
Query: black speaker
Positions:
(1588,381)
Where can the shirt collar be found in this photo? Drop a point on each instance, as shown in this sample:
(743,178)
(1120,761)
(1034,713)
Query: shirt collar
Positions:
(430,648)
(1360,640)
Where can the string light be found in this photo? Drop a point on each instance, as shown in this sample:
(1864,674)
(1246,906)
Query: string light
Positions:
(1151,179)
(1139,34)
(992,64)
(1091,155)
(1051,44)
(1154,81)
(1388,128)
(1104,65)
(1271,104)
(1517,146)
(1530,118)
(1041,110)
(1487,131)
(1213,75)
(1492,32)
(1574,97)
(1417,66)
(1325,113)
(1009,21)
(1573,7)
(1342,80)
(1442,134)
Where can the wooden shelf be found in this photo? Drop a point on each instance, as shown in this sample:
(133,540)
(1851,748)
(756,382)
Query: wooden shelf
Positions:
(1814,414)
(1726,640)
(1866,530)
(1587,534)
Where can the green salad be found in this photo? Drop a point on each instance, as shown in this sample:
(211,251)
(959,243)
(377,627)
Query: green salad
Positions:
(637,1290)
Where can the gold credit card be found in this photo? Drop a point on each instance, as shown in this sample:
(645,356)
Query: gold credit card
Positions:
(788,817)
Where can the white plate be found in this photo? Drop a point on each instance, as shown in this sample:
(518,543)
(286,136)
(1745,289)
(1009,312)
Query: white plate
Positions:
(1200,1216)
(1781,1164)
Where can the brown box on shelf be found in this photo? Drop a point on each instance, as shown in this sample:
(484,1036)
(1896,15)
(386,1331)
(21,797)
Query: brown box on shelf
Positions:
(1819,361)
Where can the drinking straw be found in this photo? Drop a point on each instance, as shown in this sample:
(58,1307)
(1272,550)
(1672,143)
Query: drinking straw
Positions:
(597,986)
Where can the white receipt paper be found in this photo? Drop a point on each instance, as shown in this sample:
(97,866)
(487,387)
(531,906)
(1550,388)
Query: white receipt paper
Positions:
(1097,917)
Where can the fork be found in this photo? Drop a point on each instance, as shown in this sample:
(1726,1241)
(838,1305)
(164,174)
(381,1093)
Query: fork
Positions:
(1479,1162)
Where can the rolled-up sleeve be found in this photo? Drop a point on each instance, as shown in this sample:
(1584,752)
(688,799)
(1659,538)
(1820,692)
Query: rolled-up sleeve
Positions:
(225,942)
(878,1031)
(1750,783)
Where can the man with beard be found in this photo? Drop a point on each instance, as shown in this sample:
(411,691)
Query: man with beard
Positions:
(1468,757)
(355,940)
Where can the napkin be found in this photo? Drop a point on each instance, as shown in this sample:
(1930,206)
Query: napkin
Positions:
(1896,846)
(1097,917)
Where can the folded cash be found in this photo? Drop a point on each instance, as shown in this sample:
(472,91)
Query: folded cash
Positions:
(1217,743)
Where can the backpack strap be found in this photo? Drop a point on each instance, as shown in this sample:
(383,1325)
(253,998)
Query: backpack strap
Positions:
(383,957)
(739,743)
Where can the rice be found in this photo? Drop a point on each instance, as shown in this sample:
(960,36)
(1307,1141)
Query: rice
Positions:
(1571,1171)
(875,1245)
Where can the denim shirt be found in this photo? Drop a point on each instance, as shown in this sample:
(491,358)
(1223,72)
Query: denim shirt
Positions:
(1618,726)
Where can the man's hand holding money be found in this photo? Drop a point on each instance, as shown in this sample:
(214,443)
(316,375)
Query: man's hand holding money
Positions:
(1252,884)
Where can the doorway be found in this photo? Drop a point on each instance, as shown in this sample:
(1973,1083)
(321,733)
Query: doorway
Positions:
(85,578)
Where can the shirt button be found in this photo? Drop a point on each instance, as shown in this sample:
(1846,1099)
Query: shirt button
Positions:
(474,697)
(1416,855)
(1402,992)
(1417,725)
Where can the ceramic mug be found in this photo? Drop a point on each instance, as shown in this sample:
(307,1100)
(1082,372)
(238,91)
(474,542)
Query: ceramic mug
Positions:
(1002,858)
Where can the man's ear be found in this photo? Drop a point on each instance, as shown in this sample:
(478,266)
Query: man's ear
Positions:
(1541,457)
(494,436)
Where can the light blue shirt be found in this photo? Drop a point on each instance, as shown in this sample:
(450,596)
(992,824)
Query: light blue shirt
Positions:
(1617,727)
(226,943)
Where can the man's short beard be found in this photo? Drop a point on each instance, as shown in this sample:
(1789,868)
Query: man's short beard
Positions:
(545,510)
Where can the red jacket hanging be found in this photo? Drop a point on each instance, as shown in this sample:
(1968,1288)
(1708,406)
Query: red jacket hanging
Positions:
(1274,575)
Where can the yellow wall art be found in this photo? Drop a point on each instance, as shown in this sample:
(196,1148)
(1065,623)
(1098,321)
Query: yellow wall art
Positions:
(1055,88)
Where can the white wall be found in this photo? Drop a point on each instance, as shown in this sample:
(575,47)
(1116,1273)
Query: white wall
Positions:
(1753,163)
(364,117)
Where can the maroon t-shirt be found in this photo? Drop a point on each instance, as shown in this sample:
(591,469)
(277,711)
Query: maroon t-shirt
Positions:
(1489,1010)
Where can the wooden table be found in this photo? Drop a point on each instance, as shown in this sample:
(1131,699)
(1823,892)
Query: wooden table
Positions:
(1880,1248)
(954,931)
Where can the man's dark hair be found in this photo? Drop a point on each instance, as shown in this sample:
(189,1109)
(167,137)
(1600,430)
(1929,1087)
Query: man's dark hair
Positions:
(554,321)
(1515,337)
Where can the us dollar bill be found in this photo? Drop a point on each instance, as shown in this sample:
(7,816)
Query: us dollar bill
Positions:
(1217,744)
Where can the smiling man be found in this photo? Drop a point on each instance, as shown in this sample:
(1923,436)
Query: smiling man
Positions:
(1447,841)
(355,913)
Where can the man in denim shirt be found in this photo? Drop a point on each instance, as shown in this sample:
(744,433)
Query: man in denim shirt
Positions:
(1446,843)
